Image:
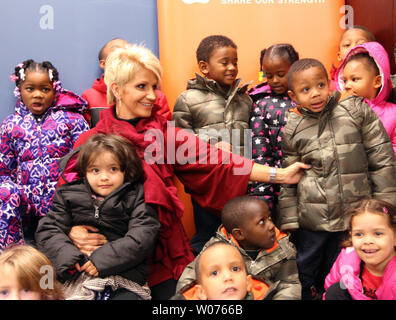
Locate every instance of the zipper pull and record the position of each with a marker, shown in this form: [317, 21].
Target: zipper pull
[97, 212]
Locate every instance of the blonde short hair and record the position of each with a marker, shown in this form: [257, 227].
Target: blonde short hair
[27, 262]
[123, 63]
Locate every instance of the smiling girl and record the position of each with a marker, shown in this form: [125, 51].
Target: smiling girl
[366, 268]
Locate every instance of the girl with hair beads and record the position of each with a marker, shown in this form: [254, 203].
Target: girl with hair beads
[366, 267]
[46, 123]
[27, 274]
[110, 198]
[268, 117]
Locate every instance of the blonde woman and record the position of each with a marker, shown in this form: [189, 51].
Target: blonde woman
[133, 73]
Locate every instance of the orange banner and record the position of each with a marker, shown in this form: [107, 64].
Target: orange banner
[313, 27]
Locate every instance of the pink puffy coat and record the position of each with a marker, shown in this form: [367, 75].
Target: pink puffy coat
[385, 110]
[346, 269]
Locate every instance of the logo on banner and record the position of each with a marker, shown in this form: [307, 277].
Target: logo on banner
[195, 1]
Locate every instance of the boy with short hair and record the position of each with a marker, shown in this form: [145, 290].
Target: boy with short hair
[97, 95]
[267, 252]
[211, 103]
[351, 157]
[222, 275]
[351, 37]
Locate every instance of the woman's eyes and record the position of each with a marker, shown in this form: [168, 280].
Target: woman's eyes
[143, 86]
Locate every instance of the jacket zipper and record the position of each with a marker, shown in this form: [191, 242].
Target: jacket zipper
[97, 212]
[102, 204]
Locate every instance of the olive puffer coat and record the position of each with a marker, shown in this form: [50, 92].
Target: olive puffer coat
[351, 157]
[205, 106]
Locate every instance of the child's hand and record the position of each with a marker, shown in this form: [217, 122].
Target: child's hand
[224, 146]
[89, 268]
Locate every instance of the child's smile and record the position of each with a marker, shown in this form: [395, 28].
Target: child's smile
[222, 66]
[373, 240]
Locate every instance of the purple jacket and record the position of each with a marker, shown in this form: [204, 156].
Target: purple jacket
[347, 269]
[30, 147]
[386, 111]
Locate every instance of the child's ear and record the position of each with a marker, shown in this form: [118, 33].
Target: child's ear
[378, 82]
[201, 293]
[238, 234]
[291, 95]
[339, 56]
[203, 67]
[249, 283]
[102, 64]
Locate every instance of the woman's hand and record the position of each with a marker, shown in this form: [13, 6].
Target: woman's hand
[290, 175]
[86, 238]
[224, 146]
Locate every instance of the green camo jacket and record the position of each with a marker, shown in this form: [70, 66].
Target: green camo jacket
[205, 106]
[351, 157]
[278, 265]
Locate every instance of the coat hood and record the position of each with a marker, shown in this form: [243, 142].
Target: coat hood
[381, 58]
[100, 85]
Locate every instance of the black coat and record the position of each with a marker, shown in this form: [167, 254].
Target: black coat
[128, 223]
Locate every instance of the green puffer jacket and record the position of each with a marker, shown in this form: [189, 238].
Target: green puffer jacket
[278, 265]
[205, 105]
[351, 157]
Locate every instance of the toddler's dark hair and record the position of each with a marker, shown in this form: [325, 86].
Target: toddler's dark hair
[366, 30]
[210, 43]
[234, 211]
[100, 54]
[130, 163]
[285, 50]
[301, 65]
[32, 65]
[367, 59]
[372, 206]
